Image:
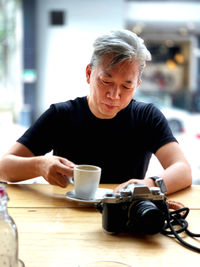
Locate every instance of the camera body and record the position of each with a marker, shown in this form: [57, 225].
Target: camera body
[136, 208]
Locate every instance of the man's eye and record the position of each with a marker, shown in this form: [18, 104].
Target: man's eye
[106, 82]
[125, 87]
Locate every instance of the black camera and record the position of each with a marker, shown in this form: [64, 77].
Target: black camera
[136, 208]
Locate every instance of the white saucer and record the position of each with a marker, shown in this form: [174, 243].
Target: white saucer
[98, 196]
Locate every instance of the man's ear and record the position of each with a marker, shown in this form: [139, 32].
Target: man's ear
[139, 82]
[88, 73]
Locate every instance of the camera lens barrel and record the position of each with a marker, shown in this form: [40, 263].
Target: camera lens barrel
[145, 217]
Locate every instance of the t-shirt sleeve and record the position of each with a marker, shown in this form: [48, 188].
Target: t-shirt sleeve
[41, 136]
[159, 132]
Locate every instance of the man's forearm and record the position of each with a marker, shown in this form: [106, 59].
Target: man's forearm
[178, 176]
[14, 168]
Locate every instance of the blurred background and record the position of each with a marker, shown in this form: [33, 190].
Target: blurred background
[45, 46]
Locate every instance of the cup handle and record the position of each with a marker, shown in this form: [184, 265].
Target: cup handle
[71, 180]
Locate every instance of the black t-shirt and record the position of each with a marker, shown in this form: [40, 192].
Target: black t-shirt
[121, 146]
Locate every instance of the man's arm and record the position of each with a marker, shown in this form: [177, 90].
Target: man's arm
[176, 174]
[19, 164]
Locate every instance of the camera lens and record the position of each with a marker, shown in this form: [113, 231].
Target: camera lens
[145, 217]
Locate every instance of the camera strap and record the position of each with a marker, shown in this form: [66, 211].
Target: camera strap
[177, 224]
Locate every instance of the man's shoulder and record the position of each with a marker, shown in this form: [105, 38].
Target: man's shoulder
[141, 107]
[139, 104]
[145, 112]
[69, 105]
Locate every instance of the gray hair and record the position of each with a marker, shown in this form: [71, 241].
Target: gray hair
[123, 45]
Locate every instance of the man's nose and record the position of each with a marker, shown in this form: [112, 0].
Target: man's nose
[114, 92]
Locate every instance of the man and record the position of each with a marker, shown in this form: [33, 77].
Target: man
[107, 128]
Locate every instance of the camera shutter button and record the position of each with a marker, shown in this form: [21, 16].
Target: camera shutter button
[155, 190]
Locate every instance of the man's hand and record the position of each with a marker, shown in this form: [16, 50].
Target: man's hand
[148, 182]
[56, 170]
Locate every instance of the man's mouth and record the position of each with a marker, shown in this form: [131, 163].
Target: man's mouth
[110, 106]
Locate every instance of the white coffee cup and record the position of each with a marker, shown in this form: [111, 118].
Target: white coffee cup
[86, 181]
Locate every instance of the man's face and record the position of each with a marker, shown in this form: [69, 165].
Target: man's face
[111, 89]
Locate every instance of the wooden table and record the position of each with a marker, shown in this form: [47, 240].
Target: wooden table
[56, 232]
